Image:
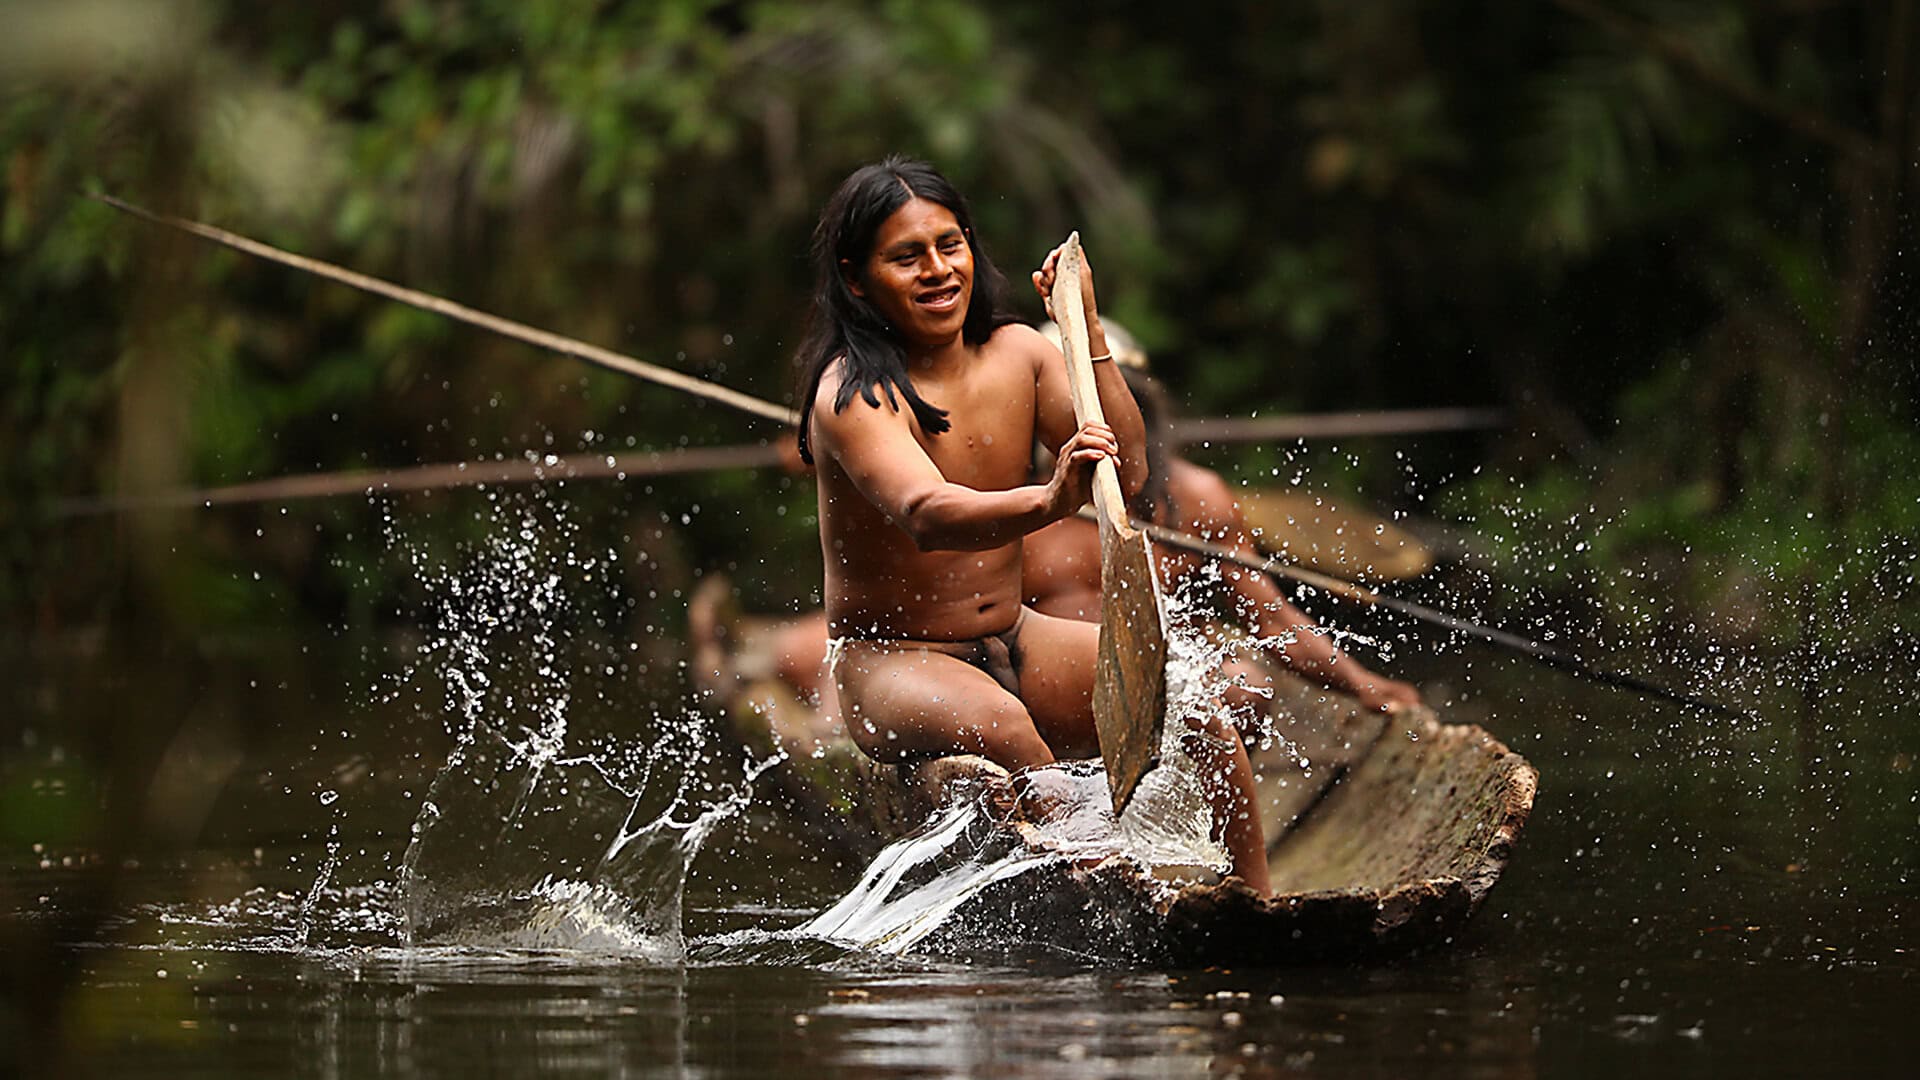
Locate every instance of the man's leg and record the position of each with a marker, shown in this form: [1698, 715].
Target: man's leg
[800, 660]
[1249, 696]
[1227, 777]
[902, 702]
[1079, 604]
[800, 654]
[1057, 661]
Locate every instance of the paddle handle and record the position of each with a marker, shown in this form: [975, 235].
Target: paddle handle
[1070, 315]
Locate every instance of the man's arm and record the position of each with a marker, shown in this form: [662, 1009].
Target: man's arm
[875, 447]
[1207, 508]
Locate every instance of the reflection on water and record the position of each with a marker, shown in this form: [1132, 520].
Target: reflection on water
[1660, 915]
[1672, 908]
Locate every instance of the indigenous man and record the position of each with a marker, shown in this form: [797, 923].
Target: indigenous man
[1061, 572]
[923, 399]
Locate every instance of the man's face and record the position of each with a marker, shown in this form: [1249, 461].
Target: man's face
[920, 275]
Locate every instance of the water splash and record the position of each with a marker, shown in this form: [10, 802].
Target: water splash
[532, 836]
[628, 901]
[1060, 816]
[303, 927]
[1170, 819]
[914, 886]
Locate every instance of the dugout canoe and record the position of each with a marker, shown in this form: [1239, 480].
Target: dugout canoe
[1385, 834]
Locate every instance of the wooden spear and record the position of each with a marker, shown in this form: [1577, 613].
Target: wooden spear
[639, 463]
[545, 339]
[1236, 429]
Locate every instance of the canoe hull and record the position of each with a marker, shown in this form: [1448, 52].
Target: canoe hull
[1416, 877]
[1385, 835]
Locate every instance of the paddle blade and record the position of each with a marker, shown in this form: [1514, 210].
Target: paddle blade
[1130, 679]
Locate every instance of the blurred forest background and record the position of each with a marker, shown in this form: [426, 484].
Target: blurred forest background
[1674, 239]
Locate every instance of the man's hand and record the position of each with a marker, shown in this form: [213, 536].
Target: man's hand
[1057, 417]
[1380, 694]
[1043, 279]
[1072, 483]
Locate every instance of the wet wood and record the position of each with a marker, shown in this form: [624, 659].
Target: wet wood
[1130, 682]
[544, 468]
[1394, 853]
[1323, 736]
[1262, 429]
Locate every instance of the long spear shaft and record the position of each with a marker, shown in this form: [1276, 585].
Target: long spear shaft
[633, 464]
[1239, 429]
[545, 339]
[1513, 642]
[1192, 430]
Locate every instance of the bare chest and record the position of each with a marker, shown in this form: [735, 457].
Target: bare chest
[991, 410]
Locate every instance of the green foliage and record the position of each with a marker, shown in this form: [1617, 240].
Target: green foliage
[1587, 169]
[46, 807]
[1659, 533]
[1318, 206]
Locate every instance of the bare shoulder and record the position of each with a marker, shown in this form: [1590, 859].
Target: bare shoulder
[865, 408]
[1204, 496]
[828, 387]
[1023, 341]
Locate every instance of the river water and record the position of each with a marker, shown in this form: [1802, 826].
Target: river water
[1691, 895]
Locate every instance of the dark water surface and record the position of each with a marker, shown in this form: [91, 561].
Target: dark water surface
[1691, 897]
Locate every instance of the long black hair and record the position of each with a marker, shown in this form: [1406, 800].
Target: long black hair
[841, 324]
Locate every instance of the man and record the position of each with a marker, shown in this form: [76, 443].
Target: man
[922, 401]
[1062, 564]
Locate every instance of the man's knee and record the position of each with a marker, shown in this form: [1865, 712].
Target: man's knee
[1249, 693]
[1211, 739]
[879, 743]
[1008, 736]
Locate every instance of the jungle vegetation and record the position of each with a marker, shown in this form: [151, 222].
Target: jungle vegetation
[1675, 239]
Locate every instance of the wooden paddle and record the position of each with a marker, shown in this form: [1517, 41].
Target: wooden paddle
[1130, 682]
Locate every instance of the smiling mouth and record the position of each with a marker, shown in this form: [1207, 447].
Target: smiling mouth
[941, 299]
